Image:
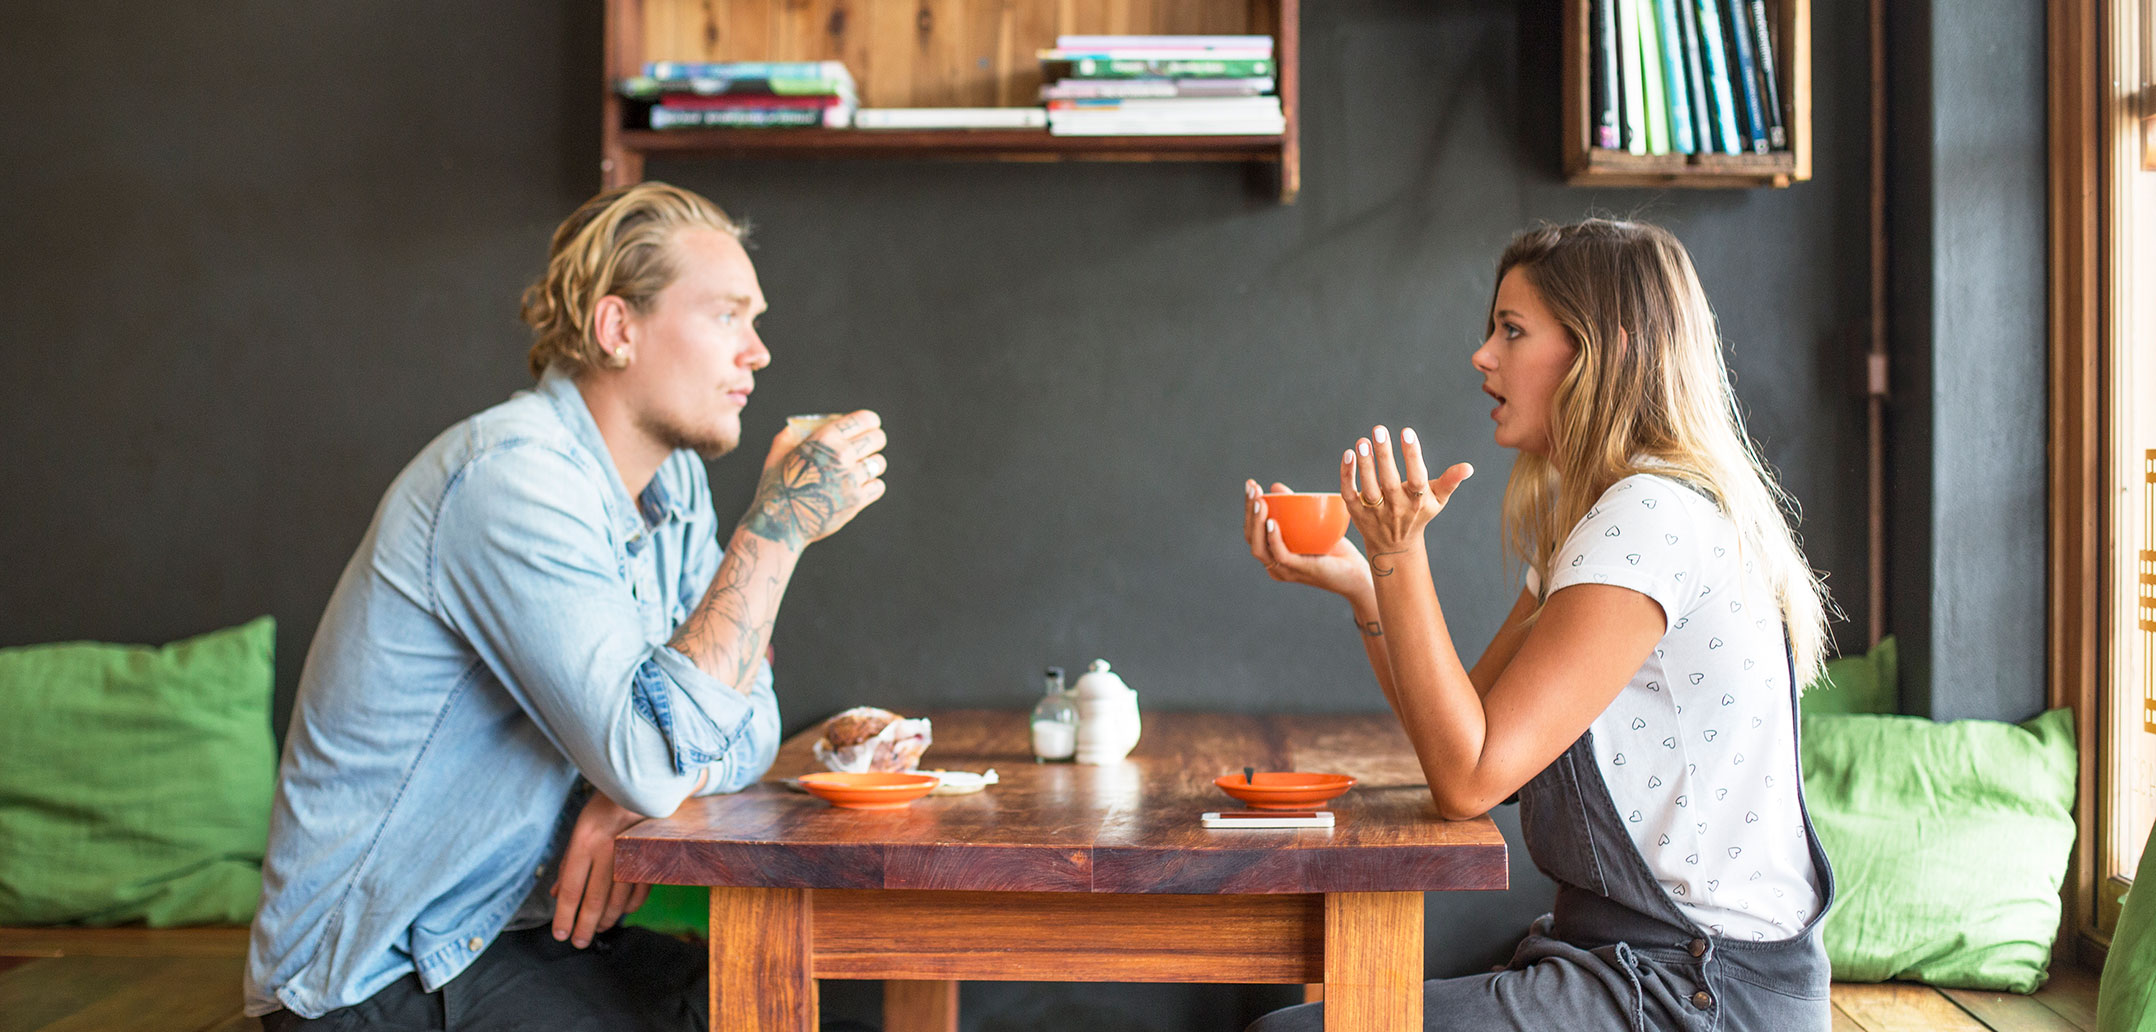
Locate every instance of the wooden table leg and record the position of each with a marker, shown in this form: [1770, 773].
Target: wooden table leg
[920, 1006]
[762, 978]
[1373, 961]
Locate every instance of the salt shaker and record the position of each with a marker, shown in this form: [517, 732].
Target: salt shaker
[1108, 724]
[1055, 721]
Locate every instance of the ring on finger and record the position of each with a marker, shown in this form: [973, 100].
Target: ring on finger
[1367, 503]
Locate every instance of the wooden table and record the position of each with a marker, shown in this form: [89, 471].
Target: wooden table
[1074, 873]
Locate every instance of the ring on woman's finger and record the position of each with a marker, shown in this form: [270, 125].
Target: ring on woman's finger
[1367, 503]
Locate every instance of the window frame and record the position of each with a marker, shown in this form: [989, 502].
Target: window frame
[2091, 45]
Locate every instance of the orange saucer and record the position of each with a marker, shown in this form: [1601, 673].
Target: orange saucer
[1284, 790]
[878, 791]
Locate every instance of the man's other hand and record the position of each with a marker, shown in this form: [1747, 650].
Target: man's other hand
[811, 487]
[587, 899]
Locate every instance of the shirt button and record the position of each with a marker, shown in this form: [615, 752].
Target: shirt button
[1702, 999]
[540, 872]
[1698, 947]
[475, 942]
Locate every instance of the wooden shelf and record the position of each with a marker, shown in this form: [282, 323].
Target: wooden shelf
[1587, 165]
[959, 144]
[916, 53]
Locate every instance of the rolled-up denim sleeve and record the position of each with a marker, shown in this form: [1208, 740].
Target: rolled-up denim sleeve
[522, 567]
[708, 724]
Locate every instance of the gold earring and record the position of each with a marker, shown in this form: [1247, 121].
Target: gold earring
[619, 359]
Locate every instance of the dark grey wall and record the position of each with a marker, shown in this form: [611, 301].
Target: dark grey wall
[259, 254]
[1968, 409]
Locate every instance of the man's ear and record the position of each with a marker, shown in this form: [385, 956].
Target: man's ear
[613, 330]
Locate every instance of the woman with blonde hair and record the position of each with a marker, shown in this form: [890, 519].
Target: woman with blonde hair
[1640, 698]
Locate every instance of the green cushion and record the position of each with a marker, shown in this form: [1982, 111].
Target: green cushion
[1858, 684]
[675, 910]
[1949, 842]
[2126, 998]
[137, 780]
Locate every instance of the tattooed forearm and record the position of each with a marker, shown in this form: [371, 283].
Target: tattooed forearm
[1370, 628]
[799, 497]
[1388, 569]
[726, 634]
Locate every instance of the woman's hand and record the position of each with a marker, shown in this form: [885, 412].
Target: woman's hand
[1391, 510]
[587, 899]
[1340, 571]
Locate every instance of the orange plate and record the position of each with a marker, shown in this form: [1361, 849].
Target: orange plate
[877, 791]
[1285, 790]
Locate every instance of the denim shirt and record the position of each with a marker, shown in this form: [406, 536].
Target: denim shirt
[501, 630]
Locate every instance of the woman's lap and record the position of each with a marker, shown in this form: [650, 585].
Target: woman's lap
[1548, 985]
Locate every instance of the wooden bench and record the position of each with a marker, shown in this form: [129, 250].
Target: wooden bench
[2067, 1003]
[188, 979]
[122, 980]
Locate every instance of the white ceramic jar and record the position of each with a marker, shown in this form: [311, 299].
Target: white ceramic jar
[1108, 723]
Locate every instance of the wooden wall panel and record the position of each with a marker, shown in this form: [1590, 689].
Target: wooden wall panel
[924, 53]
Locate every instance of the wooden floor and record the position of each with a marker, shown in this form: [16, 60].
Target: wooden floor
[2067, 1003]
[132, 993]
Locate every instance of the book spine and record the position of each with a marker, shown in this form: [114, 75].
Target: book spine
[950, 118]
[1679, 95]
[1695, 78]
[682, 118]
[1073, 89]
[1092, 68]
[724, 101]
[1059, 54]
[747, 70]
[1725, 110]
[1763, 39]
[645, 88]
[1650, 61]
[1755, 129]
[1171, 105]
[1609, 134]
[1635, 88]
[1164, 43]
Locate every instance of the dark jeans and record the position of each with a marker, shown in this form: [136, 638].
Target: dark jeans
[628, 980]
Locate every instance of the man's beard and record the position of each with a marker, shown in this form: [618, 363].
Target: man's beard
[710, 446]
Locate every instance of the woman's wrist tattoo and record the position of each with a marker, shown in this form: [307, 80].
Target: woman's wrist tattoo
[1388, 569]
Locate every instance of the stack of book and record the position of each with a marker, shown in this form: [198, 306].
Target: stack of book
[1685, 77]
[743, 94]
[1161, 86]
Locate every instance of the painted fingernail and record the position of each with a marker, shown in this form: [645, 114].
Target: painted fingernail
[1363, 446]
[1380, 433]
[1407, 435]
[1257, 507]
[1271, 526]
[1347, 458]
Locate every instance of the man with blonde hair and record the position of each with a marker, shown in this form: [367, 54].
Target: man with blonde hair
[539, 641]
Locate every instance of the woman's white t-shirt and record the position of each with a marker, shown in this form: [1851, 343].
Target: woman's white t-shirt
[1699, 750]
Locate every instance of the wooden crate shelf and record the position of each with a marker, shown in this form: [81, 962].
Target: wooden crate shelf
[1588, 165]
[928, 53]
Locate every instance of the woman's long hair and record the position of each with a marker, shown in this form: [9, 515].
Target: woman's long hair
[1647, 393]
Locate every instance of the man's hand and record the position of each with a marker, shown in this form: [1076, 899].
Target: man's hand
[812, 487]
[587, 899]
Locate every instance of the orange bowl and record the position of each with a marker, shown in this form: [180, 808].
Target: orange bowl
[873, 791]
[1284, 790]
[1310, 523]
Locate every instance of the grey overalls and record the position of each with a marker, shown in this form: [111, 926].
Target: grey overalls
[1616, 953]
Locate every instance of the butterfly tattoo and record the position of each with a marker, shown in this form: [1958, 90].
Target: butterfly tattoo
[800, 497]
